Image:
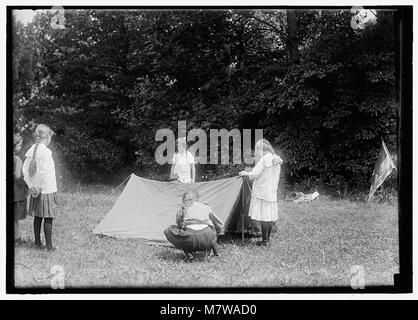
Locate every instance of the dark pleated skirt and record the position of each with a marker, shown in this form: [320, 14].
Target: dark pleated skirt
[44, 205]
[20, 209]
[191, 240]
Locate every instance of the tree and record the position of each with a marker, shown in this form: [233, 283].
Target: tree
[110, 79]
[292, 34]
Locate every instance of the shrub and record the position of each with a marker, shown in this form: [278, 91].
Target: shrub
[88, 158]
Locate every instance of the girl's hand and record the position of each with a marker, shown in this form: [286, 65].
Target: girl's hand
[34, 192]
[277, 161]
[243, 173]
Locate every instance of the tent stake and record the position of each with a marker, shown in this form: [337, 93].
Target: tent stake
[242, 209]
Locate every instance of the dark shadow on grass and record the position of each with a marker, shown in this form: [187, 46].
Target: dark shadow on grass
[28, 244]
[235, 239]
[176, 255]
[171, 254]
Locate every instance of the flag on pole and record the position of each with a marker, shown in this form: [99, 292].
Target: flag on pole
[382, 169]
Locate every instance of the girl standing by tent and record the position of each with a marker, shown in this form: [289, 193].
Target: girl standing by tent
[20, 188]
[183, 168]
[266, 175]
[39, 174]
[196, 227]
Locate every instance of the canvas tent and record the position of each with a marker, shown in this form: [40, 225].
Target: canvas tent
[146, 207]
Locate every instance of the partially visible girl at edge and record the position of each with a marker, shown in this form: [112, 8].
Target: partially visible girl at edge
[39, 174]
[20, 189]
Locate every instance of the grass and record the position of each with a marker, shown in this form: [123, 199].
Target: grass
[351, 233]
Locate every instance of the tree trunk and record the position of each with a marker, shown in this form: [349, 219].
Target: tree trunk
[292, 42]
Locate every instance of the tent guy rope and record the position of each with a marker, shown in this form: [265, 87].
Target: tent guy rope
[322, 251]
[110, 194]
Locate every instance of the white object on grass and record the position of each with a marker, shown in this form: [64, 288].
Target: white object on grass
[301, 197]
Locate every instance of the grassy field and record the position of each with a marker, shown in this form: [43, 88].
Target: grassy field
[351, 233]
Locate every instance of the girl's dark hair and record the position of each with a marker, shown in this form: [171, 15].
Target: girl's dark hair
[41, 132]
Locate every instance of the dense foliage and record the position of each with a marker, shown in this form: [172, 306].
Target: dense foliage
[110, 79]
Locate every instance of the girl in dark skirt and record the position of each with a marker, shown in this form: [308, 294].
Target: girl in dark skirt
[197, 227]
[20, 188]
[39, 174]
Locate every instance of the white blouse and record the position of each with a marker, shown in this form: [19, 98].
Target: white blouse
[266, 177]
[201, 212]
[181, 163]
[44, 177]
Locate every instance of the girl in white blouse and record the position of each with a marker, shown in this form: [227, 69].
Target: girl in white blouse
[183, 169]
[39, 174]
[266, 175]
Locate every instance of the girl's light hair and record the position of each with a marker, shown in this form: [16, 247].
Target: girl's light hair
[189, 197]
[182, 142]
[264, 145]
[41, 132]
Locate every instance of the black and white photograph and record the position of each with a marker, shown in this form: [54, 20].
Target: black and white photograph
[226, 149]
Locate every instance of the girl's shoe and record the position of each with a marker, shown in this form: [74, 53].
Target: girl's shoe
[51, 248]
[263, 243]
[210, 256]
[215, 250]
[189, 257]
[266, 244]
[39, 246]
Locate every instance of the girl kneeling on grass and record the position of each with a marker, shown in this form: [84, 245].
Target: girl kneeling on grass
[39, 174]
[197, 227]
[266, 175]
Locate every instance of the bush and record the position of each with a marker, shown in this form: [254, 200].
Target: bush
[87, 158]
